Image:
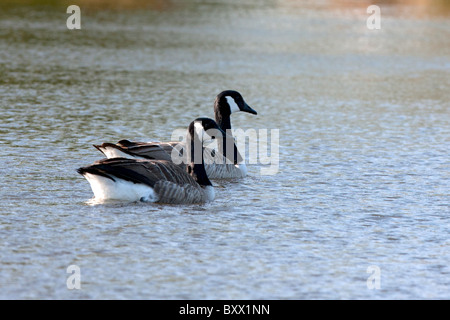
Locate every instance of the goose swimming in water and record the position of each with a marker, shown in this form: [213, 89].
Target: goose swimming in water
[216, 165]
[159, 181]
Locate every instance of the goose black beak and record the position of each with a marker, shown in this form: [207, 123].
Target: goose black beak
[248, 109]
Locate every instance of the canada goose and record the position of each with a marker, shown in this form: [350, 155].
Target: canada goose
[216, 165]
[156, 180]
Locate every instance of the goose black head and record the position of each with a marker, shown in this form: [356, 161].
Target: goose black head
[205, 129]
[199, 130]
[230, 101]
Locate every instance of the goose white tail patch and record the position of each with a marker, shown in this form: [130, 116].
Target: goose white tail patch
[107, 189]
[243, 168]
[233, 105]
[210, 194]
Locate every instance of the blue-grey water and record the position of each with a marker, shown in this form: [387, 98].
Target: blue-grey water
[364, 170]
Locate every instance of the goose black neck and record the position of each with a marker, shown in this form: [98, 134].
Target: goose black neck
[222, 116]
[196, 164]
[226, 144]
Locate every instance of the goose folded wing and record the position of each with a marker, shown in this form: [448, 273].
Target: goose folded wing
[139, 171]
[152, 151]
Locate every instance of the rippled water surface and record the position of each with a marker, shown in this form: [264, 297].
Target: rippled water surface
[364, 124]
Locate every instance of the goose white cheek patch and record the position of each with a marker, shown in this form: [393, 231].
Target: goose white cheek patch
[199, 130]
[233, 105]
[205, 135]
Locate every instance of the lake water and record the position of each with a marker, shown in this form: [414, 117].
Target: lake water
[359, 207]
